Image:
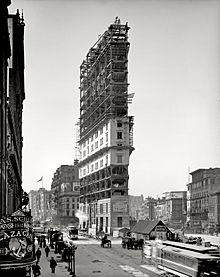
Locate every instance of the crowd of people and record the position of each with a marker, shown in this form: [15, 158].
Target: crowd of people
[36, 269]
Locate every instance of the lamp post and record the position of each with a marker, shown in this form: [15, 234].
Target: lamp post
[73, 250]
[69, 254]
[71, 260]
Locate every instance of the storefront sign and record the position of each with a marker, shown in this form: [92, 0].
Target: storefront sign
[16, 239]
[160, 228]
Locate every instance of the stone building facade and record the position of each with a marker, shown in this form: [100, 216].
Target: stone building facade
[12, 95]
[204, 201]
[65, 195]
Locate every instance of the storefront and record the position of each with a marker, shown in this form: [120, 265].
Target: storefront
[17, 253]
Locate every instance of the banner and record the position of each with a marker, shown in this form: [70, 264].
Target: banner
[16, 239]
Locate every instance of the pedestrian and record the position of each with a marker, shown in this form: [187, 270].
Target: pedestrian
[47, 250]
[44, 242]
[53, 264]
[36, 269]
[38, 254]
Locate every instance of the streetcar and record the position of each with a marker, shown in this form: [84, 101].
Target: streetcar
[72, 232]
[181, 260]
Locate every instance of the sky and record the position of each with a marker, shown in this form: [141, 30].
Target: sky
[174, 71]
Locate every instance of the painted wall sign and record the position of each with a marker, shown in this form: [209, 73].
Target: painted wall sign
[16, 239]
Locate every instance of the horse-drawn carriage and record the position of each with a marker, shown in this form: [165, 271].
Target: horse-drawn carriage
[132, 243]
[106, 241]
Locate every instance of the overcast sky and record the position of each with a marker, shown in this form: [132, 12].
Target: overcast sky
[174, 71]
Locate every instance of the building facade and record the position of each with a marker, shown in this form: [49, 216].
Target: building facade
[204, 198]
[15, 220]
[65, 195]
[135, 203]
[175, 208]
[148, 211]
[12, 96]
[40, 205]
[106, 132]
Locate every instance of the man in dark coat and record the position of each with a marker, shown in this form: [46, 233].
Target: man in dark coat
[47, 250]
[53, 264]
[38, 254]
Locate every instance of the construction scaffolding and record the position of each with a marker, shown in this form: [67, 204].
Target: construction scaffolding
[103, 78]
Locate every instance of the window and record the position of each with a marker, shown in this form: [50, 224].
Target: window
[67, 213]
[106, 159]
[101, 208]
[119, 221]
[101, 131]
[101, 141]
[92, 167]
[73, 206]
[119, 124]
[119, 135]
[119, 159]
[67, 200]
[84, 144]
[101, 163]
[84, 153]
[92, 147]
[96, 134]
[91, 138]
[88, 150]
[106, 207]
[106, 222]
[73, 213]
[106, 126]
[96, 144]
[96, 165]
[106, 136]
[67, 206]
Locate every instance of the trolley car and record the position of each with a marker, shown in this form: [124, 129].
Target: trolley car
[192, 262]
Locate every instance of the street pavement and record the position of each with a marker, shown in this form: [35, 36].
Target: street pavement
[92, 266]
[61, 269]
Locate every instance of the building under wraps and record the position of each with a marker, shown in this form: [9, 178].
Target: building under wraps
[106, 132]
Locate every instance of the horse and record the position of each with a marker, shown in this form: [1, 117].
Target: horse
[106, 241]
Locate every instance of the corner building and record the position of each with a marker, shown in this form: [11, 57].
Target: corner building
[106, 132]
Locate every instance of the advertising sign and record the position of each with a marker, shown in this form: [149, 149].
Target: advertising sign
[120, 204]
[16, 239]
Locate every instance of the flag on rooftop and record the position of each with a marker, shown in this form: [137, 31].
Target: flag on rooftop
[40, 179]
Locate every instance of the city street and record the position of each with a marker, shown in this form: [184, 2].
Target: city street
[93, 260]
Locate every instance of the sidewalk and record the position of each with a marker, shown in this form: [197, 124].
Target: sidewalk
[45, 265]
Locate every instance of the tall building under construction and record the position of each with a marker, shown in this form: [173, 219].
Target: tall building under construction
[105, 132]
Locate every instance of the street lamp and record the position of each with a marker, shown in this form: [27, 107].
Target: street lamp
[71, 260]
